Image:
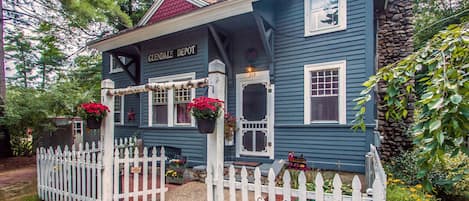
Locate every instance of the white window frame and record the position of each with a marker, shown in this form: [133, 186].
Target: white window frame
[111, 64]
[121, 111]
[76, 128]
[171, 107]
[339, 27]
[342, 107]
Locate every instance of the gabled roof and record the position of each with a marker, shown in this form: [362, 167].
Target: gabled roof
[164, 9]
[171, 23]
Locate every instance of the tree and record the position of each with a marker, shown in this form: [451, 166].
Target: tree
[438, 75]
[51, 57]
[18, 49]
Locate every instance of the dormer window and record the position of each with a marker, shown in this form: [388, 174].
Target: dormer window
[324, 16]
[114, 65]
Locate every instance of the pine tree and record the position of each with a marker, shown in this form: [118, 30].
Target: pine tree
[51, 57]
[18, 49]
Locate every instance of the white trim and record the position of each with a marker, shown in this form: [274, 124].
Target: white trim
[111, 65]
[341, 66]
[152, 10]
[340, 27]
[196, 18]
[252, 78]
[170, 96]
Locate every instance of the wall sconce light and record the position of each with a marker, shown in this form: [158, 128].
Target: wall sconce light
[251, 70]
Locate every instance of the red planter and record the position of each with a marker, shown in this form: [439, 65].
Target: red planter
[93, 123]
[206, 126]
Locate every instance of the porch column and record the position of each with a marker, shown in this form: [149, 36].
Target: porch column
[215, 141]
[107, 139]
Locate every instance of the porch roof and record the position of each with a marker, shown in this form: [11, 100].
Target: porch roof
[192, 19]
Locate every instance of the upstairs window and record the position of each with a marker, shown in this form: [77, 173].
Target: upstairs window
[324, 16]
[114, 65]
[325, 95]
[169, 107]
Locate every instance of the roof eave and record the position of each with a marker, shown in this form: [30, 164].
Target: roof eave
[199, 17]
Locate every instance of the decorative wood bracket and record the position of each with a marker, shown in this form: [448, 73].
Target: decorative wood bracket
[266, 34]
[222, 47]
[135, 76]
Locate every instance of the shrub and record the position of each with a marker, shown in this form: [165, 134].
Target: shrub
[398, 191]
[449, 179]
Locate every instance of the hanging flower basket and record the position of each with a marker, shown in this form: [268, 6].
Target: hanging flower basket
[205, 111]
[94, 113]
[92, 123]
[206, 125]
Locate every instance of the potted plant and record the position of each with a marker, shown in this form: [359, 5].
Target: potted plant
[205, 110]
[230, 129]
[175, 172]
[94, 113]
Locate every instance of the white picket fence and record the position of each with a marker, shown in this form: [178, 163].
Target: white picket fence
[378, 172]
[76, 174]
[270, 191]
[69, 174]
[134, 166]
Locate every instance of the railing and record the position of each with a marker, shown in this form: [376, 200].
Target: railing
[271, 191]
[69, 174]
[375, 172]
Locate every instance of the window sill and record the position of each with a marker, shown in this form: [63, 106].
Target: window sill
[321, 125]
[118, 70]
[324, 31]
[169, 128]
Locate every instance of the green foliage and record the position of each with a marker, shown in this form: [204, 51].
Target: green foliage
[19, 49]
[433, 16]
[397, 191]
[21, 146]
[448, 179]
[51, 57]
[438, 76]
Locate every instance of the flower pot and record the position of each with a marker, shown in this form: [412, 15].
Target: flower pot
[206, 125]
[175, 180]
[229, 142]
[92, 123]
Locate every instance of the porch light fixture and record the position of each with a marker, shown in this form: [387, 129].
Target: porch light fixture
[251, 70]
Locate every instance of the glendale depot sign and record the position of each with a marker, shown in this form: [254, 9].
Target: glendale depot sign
[171, 54]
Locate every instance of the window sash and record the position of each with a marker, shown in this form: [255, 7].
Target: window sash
[324, 17]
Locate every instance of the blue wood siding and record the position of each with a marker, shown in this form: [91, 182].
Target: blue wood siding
[324, 145]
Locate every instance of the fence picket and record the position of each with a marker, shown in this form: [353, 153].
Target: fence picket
[356, 189]
[56, 175]
[88, 175]
[244, 184]
[257, 184]
[83, 174]
[162, 173]
[319, 183]
[74, 172]
[153, 174]
[378, 191]
[93, 174]
[286, 186]
[271, 179]
[126, 174]
[135, 175]
[232, 183]
[337, 188]
[99, 164]
[302, 186]
[145, 174]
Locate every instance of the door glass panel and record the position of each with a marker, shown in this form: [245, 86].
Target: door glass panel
[254, 102]
[261, 141]
[247, 140]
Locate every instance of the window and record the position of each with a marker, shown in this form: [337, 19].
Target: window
[78, 128]
[114, 65]
[325, 95]
[324, 16]
[119, 110]
[169, 107]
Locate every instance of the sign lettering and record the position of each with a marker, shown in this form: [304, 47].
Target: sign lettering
[171, 54]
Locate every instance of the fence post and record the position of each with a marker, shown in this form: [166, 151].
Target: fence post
[107, 137]
[215, 146]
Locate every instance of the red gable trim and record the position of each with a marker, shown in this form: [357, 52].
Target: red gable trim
[171, 8]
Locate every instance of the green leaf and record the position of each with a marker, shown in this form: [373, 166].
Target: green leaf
[456, 98]
[440, 138]
[436, 103]
[435, 125]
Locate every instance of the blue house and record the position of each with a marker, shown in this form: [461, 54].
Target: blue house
[293, 68]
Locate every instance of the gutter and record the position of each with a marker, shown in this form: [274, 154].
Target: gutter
[196, 18]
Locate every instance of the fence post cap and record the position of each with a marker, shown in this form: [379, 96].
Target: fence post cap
[216, 66]
[107, 84]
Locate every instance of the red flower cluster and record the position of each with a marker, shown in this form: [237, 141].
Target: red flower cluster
[96, 110]
[205, 108]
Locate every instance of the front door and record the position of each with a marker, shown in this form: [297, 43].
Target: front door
[254, 109]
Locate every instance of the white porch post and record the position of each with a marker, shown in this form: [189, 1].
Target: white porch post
[215, 146]
[107, 138]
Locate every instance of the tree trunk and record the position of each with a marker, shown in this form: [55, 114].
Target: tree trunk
[5, 147]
